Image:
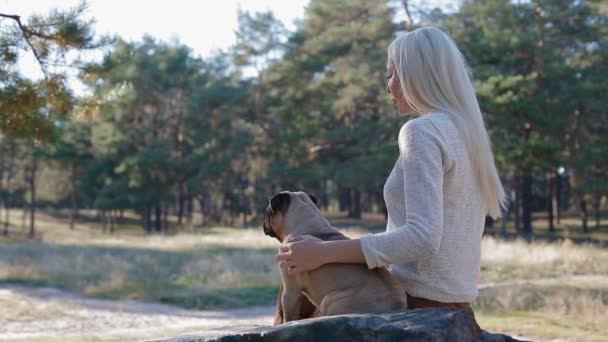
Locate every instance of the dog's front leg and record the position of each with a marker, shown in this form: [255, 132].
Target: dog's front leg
[290, 299]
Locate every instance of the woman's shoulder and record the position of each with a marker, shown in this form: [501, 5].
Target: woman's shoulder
[423, 125]
[424, 132]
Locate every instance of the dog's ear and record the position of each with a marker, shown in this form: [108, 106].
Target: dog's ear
[280, 202]
[314, 200]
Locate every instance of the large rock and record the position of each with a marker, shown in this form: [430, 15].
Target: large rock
[409, 325]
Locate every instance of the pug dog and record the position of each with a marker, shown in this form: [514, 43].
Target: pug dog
[335, 289]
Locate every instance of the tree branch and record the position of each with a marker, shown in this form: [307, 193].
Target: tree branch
[410, 22]
[26, 34]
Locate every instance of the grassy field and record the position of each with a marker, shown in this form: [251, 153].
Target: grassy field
[531, 287]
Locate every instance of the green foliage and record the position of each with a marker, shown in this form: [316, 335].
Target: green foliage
[258, 37]
[165, 127]
[32, 109]
[328, 103]
[532, 65]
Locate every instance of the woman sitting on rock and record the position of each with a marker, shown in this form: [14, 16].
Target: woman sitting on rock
[440, 190]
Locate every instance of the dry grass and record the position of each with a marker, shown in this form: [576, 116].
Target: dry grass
[512, 260]
[544, 290]
[541, 326]
[582, 302]
[11, 310]
[200, 274]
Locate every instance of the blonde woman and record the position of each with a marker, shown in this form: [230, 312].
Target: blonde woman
[440, 190]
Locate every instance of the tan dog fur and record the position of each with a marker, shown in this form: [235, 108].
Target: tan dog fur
[335, 289]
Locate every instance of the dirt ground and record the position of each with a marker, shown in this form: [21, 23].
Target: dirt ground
[47, 314]
[30, 313]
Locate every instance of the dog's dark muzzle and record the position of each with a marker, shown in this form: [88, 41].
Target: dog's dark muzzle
[267, 227]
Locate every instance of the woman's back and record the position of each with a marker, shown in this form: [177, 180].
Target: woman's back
[441, 209]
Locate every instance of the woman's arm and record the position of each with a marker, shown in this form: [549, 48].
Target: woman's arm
[421, 157]
[343, 251]
[305, 253]
[422, 165]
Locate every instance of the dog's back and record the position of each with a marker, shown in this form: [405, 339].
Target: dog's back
[354, 289]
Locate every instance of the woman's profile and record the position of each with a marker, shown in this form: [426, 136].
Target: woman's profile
[443, 184]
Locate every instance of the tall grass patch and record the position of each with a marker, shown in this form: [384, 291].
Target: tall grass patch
[136, 273]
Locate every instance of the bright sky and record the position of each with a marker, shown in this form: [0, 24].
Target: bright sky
[203, 25]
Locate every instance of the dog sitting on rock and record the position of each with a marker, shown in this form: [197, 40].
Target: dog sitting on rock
[335, 289]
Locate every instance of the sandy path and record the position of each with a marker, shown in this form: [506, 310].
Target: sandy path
[43, 313]
[31, 312]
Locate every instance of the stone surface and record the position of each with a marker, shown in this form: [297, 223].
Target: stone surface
[409, 325]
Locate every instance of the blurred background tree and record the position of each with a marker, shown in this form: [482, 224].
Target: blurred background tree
[167, 134]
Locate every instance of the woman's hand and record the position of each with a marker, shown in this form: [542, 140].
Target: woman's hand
[301, 254]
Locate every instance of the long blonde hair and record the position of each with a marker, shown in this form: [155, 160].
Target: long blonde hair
[434, 76]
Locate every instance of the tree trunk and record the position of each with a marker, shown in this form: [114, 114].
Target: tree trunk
[567, 193]
[550, 177]
[355, 208]
[26, 180]
[111, 218]
[244, 205]
[181, 201]
[217, 211]
[409, 23]
[165, 208]
[596, 208]
[323, 196]
[33, 197]
[147, 220]
[189, 210]
[517, 205]
[6, 217]
[344, 199]
[6, 206]
[104, 221]
[526, 202]
[341, 201]
[158, 218]
[583, 207]
[258, 98]
[201, 204]
[74, 213]
[24, 217]
[365, 203]
[558, 199]
[8, 192]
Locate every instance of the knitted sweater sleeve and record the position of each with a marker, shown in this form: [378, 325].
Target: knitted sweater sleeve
[420, 152]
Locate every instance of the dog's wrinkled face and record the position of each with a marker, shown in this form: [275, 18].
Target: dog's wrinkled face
[278, 205]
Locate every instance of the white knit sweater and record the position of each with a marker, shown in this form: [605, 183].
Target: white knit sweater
[435, 214]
